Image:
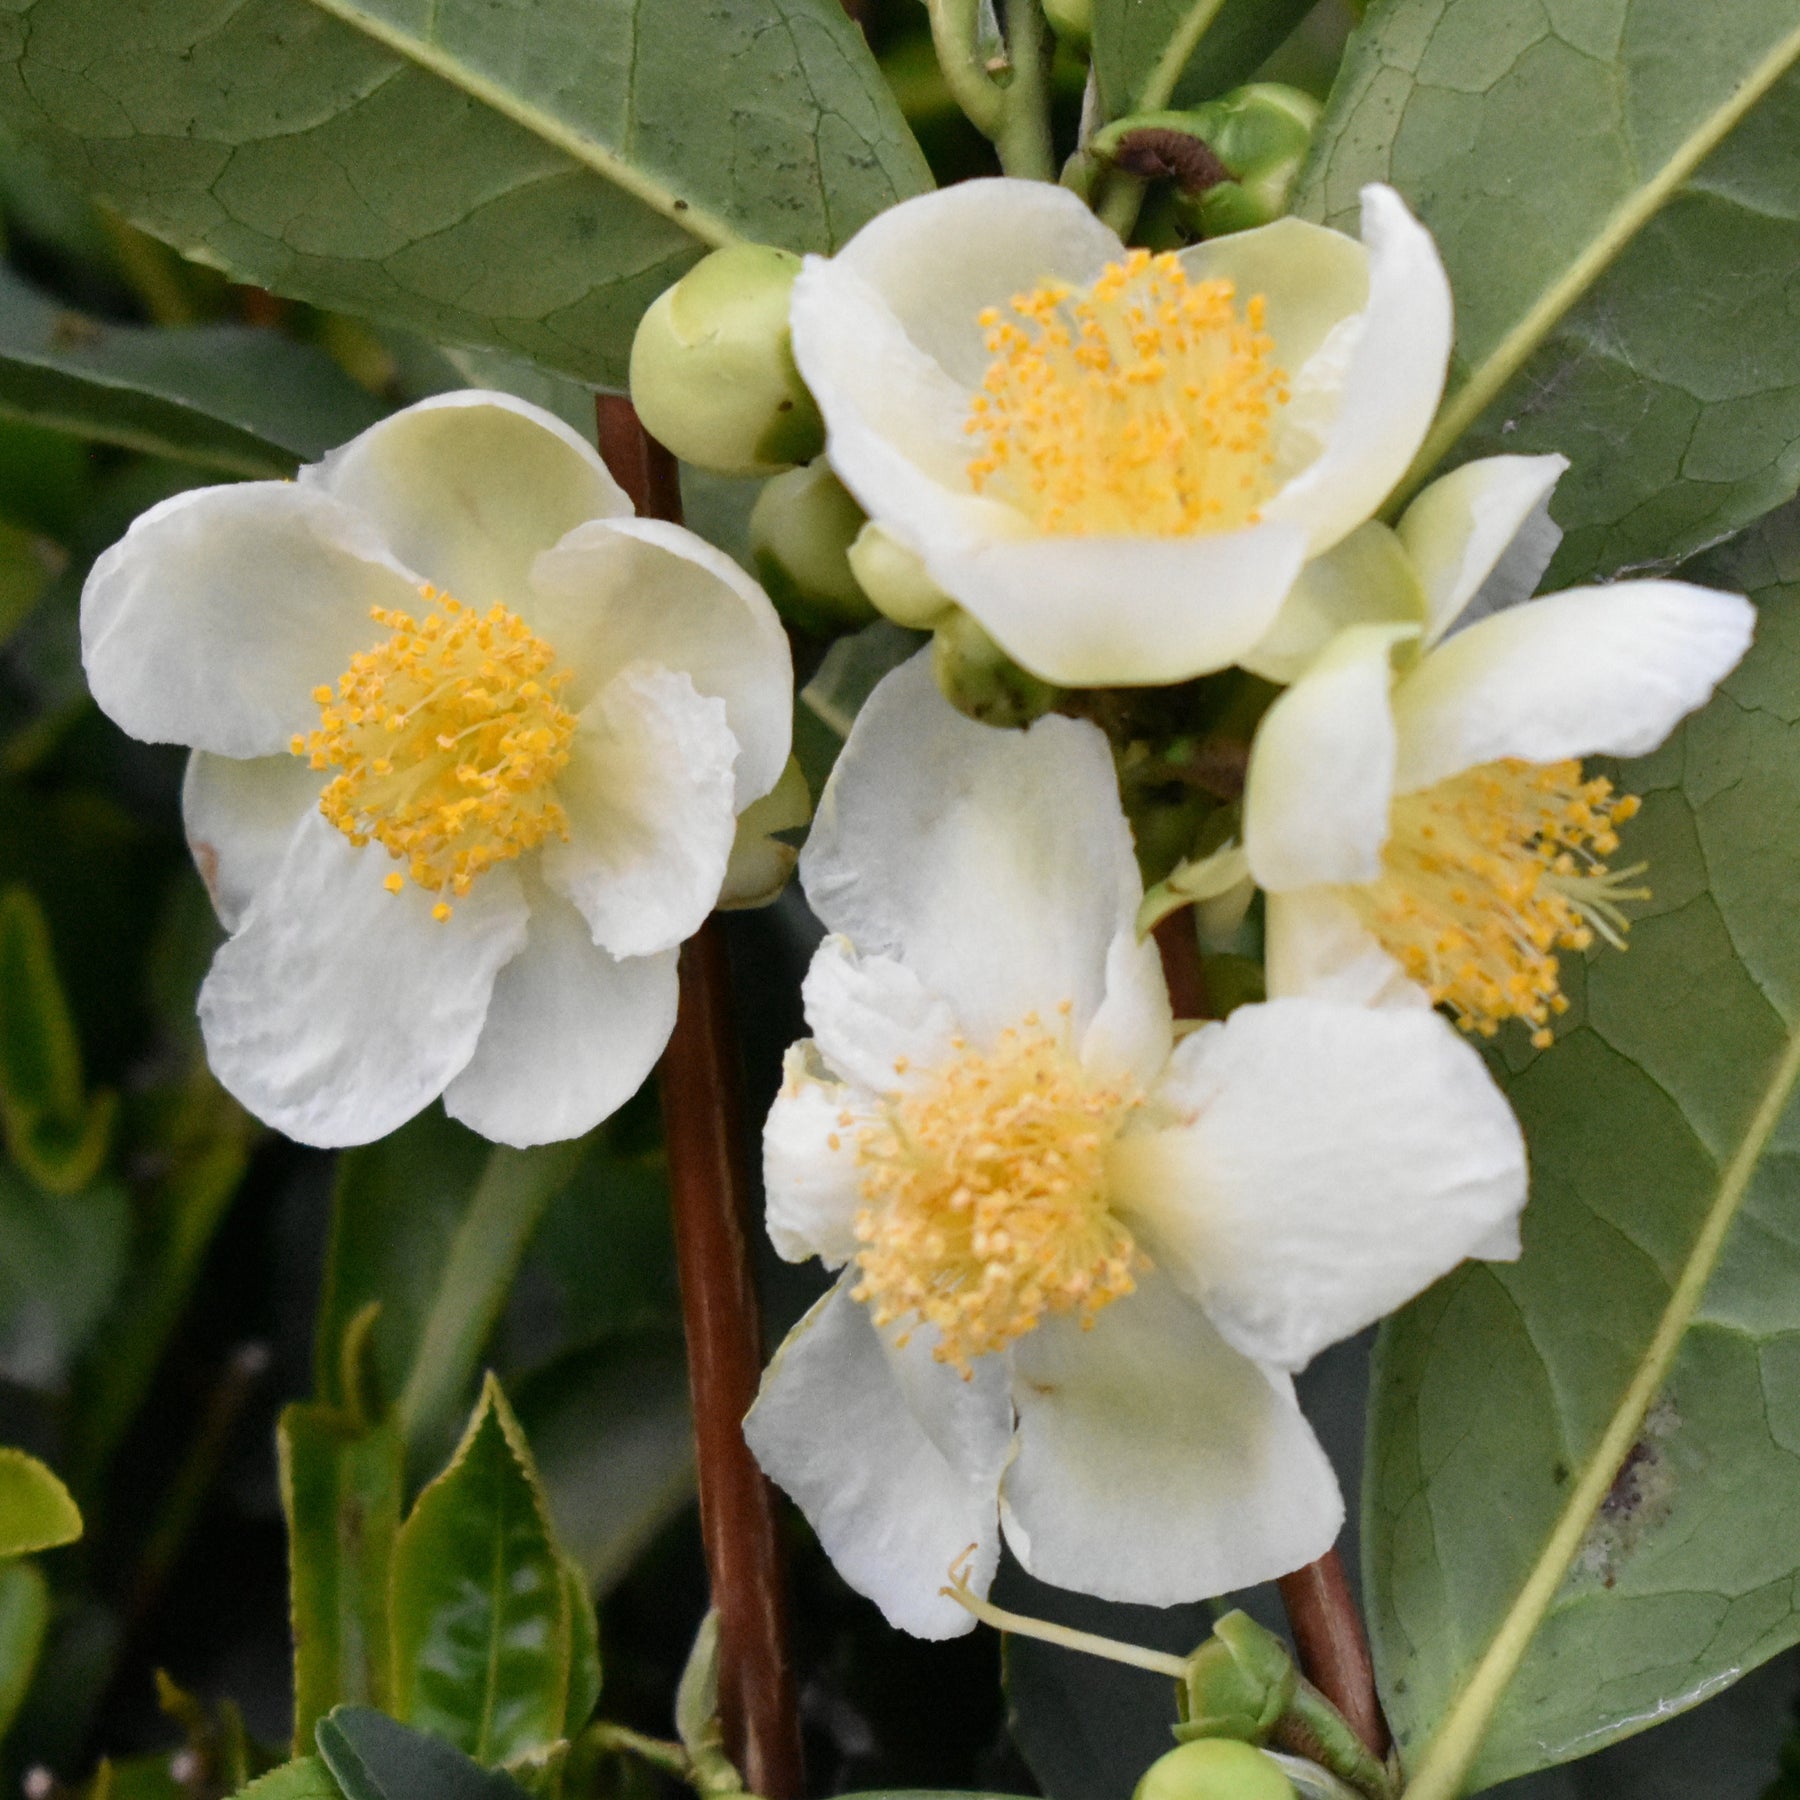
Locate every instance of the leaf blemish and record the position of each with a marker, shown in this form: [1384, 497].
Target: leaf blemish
[1638, 1501]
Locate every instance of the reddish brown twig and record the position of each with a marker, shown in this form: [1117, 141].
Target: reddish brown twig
[1328, 1632]
[709, 1194]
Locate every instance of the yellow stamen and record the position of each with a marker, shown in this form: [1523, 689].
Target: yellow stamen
[447, 737]
[985, 1201]
[1487, 875]
[1143, 406]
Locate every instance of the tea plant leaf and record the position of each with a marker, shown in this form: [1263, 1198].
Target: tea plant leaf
[36, 1512]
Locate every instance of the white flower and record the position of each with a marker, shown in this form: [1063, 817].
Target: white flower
[1079, 1257]
[1415, 804]
[470, 744]
[1119, 463]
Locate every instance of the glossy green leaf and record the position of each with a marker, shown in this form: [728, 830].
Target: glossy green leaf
[1615, 188]
[1585, 1467]
[340, 1493]
[584, 1648]
[523, 179]
[225, 397]
[24, 1618]
[375, 1758]
[305, 1778]
[62, 1260]
[1150, 54]
[483, 1640]
[36, 1512]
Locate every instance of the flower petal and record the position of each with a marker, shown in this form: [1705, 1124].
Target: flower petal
[1459, 528]
[239, 817]
[571, 1032]
[1314, 944]
[216, 615]
[873, 1020]
[1122, 611]
[996, 865]
[648, 793]
[339, 1010]
[1155, 1464]
[1393, 378]
[621, 591]
[811, 1178]
[468, 487]
[1331, 1162]
[1604, 671]
[835, 1426]
[1134, 1029]
[1320, 781]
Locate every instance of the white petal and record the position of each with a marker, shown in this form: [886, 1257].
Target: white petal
[571, 1032]
[1368, 579]
[835, 1427]
[1155, 1464]
[1460, 527]
[638, 590]
[648, 793]
[216, 615]
[1134, 1029]
[996, 865]
[339, 1010]
[1315, 944]
[1321, 775]
[938, 261]
[239, 817]
[1121, 611]
[1392, 381]
[811, 1178]
[468, 487]
[873, 1020]
[1593, 672]
[1331, 1162]
[1515, 577]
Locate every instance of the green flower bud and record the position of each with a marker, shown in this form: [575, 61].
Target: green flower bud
[801, 530]
[1239, 1683]
[1071, 20]
[712, 366]
[978, 678]
[895, 580]
[1214, 1769]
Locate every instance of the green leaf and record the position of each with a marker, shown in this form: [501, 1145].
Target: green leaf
[305, 1778]
[62, 1259]
[36, 1512]
[482, 1634]
[225, 397]
[24, 1618]
[340, 1493]
[27, 563]
[375, 1758]
[1615, 188]
[584, 1648]
[527, 179]
[1584, 1467]
[1149, 54]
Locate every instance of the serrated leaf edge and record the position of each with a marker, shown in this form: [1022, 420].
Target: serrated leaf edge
[1457, 1740]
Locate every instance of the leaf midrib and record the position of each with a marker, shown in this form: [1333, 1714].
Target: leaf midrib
[694, 219]
[1458, 1739]
[1504, 361]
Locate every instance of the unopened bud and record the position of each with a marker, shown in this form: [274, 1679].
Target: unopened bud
[801, 530]
[1214, 1769]
[712, 366]
[896, 581]
[1071, 20]
[980, 680]
[1239, 1683]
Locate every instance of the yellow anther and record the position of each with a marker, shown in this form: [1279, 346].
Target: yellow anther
[1487, 875]
[447, 738]
[985, 1198]
[1144, 406]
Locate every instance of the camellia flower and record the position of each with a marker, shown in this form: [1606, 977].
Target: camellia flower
[1119, 462]
[1079, 1257]
[470, 747]
[1415, 804]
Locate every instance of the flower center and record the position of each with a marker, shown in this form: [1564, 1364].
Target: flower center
[447, 737]
[985, 1202]
[1487, 875]
[1143, 406]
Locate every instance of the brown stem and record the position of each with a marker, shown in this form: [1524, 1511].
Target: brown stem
[1328, 1632]
[710, 1197]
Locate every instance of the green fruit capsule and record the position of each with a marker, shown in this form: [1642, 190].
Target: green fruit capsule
[1214, 1769]
[712, 366]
